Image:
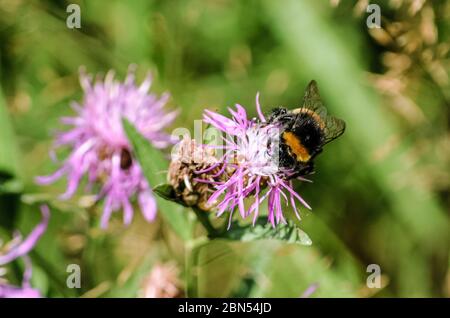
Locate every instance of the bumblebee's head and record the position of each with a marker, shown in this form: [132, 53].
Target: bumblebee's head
[276, 112]
[281, 116]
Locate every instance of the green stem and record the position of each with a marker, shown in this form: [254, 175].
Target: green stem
[202, 216]
[193, 247]
[191, 257]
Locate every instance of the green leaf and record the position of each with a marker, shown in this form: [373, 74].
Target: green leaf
[292, 269]
[153, 164]
[8, 155]
[167, 192]
[276, 269]
[215, 261]
[262, 230]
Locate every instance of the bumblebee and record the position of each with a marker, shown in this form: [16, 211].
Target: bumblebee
[304, 131]
[125, 159]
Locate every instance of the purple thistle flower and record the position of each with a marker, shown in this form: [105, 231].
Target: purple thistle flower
[20, 248]
[251, 150]
[99, 146]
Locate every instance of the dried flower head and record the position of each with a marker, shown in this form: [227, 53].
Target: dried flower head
[191, 166]
[20, 248]
[100, 149]
[251, 152]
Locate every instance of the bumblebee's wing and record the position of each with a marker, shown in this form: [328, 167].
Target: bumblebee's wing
[312, 100]
[333, 127]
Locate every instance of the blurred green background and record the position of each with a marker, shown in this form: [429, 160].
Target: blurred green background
[381, 193]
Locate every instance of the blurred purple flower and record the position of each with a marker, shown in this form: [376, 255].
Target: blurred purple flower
[162, 282]
[310, 290]
[251, 150]
[20, 248]
[99, 146]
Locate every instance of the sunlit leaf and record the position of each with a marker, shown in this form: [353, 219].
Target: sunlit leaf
[153, 165]
[263, 230]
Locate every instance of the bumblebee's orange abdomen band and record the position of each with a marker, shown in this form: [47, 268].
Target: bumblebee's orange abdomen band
[297, 148]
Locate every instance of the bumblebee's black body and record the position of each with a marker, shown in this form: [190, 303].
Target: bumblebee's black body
[307, 130]
[125, 159]
[304, 132]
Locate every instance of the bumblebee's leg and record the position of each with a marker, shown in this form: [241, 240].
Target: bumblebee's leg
[309, 168]
[304, 169]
